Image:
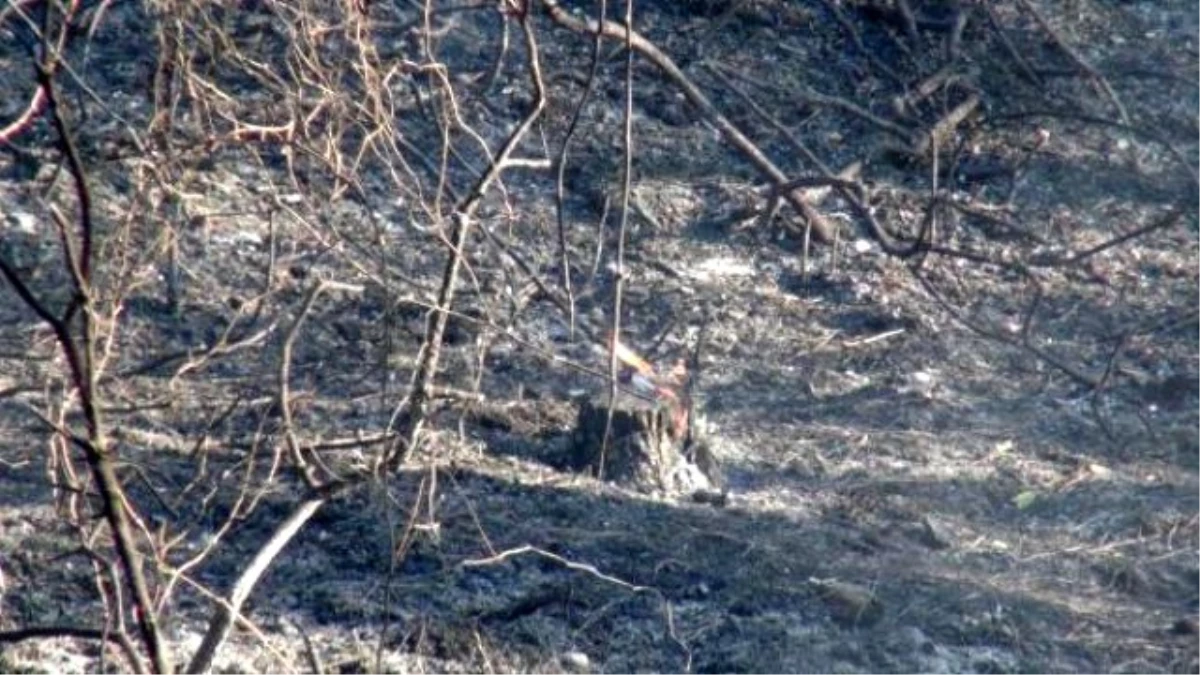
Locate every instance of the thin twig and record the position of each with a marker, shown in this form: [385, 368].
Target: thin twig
[1077, 59]
[560, 178]
[821, 227]
[464, 217]
[619, 275]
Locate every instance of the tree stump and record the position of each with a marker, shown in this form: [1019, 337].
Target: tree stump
[643, 451]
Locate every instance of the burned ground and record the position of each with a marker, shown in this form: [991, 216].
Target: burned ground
[934, 464]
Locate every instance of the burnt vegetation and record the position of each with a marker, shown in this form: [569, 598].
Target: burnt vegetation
[307, 319]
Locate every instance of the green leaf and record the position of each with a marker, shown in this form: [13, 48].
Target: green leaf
[1025, 499]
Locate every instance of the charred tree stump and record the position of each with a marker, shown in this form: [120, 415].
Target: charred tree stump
[643, 452]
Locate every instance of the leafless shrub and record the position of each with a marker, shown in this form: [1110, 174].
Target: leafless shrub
[303, 88]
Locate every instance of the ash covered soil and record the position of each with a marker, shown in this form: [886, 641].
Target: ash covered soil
[905, 493]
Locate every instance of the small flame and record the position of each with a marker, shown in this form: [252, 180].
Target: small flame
[630, 358]
[646, 379]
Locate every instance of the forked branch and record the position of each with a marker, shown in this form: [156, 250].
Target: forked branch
[75, 330]
[464, 218]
